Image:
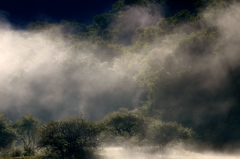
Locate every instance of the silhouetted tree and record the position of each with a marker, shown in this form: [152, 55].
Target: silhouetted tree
[125, 124]
[70, 138]
[26, 128]
[7, 134]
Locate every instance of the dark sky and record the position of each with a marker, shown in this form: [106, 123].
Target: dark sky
[21, 12]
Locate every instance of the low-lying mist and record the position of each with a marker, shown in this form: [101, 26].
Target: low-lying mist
[169, 153]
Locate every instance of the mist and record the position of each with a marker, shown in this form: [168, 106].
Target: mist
[189, 75]
[45, 74]
[192, 74]
[171, 153]
[133, 18]
[195, 76]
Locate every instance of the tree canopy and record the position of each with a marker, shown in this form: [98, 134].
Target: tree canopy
[7, 134]
[70, 138]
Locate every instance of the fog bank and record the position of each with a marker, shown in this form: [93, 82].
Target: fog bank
[51, 77]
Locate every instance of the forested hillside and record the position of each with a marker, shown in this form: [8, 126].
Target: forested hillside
[151, 72]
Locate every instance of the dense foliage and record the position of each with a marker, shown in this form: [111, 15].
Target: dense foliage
[75, 137]
[26, 128]
[122, 126]
[7, 135]
[71, 138]
[162, 134]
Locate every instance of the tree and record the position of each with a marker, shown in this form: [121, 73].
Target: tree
[102, 22]
[7, 135]
[70, 138]
[125, 124]
[161, 134]
[27, 127]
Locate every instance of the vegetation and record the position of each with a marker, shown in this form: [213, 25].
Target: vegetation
[7, 134]
[122, 126]
[180, 61]
[161, 134]
[76, 137]
[26, 128]
[70, 138]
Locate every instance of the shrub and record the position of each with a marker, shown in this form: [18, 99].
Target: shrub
[124, 125]
[7, 135]
[161, 134]
[70, 138]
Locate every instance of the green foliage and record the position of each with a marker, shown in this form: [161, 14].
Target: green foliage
[169, 60]
[171, 66]
[69, 138]
[132, 127]
[147, 35]
[103, 25]
[26, 128]
[125, 124]
[161, 134]
[40, 26]
[7, 134]
[200, 43]
[182, 16]
[117, 6]
[102, 21]
[159, 64]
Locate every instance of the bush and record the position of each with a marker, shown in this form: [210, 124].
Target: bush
[70, 138]
[124, 125]
[26, 128]
[7, 134]
[161, 134]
